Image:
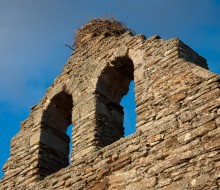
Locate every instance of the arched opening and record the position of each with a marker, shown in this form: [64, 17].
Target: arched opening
[54, 140]
[113, 85]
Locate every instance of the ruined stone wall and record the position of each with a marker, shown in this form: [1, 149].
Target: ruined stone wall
[177, 139]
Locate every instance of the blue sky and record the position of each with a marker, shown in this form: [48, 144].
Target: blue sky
[33, 34]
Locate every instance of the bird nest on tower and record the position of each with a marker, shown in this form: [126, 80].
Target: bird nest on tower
[100, 26]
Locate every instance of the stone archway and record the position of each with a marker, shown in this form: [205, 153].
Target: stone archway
[54, 142]
[112, 85]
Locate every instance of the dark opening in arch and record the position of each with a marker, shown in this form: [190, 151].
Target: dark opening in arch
[54, 141]
[113, 85]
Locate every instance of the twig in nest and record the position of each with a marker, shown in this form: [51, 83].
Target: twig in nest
[69, 46]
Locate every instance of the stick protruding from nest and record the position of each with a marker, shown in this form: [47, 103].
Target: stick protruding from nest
[99, 26]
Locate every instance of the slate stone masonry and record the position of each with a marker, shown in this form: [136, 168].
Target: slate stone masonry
[177, 139]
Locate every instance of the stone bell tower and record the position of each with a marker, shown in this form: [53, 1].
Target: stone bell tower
[177, 140]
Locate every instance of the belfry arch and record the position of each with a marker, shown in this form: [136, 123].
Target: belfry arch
[112, 85]
[54, 142]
